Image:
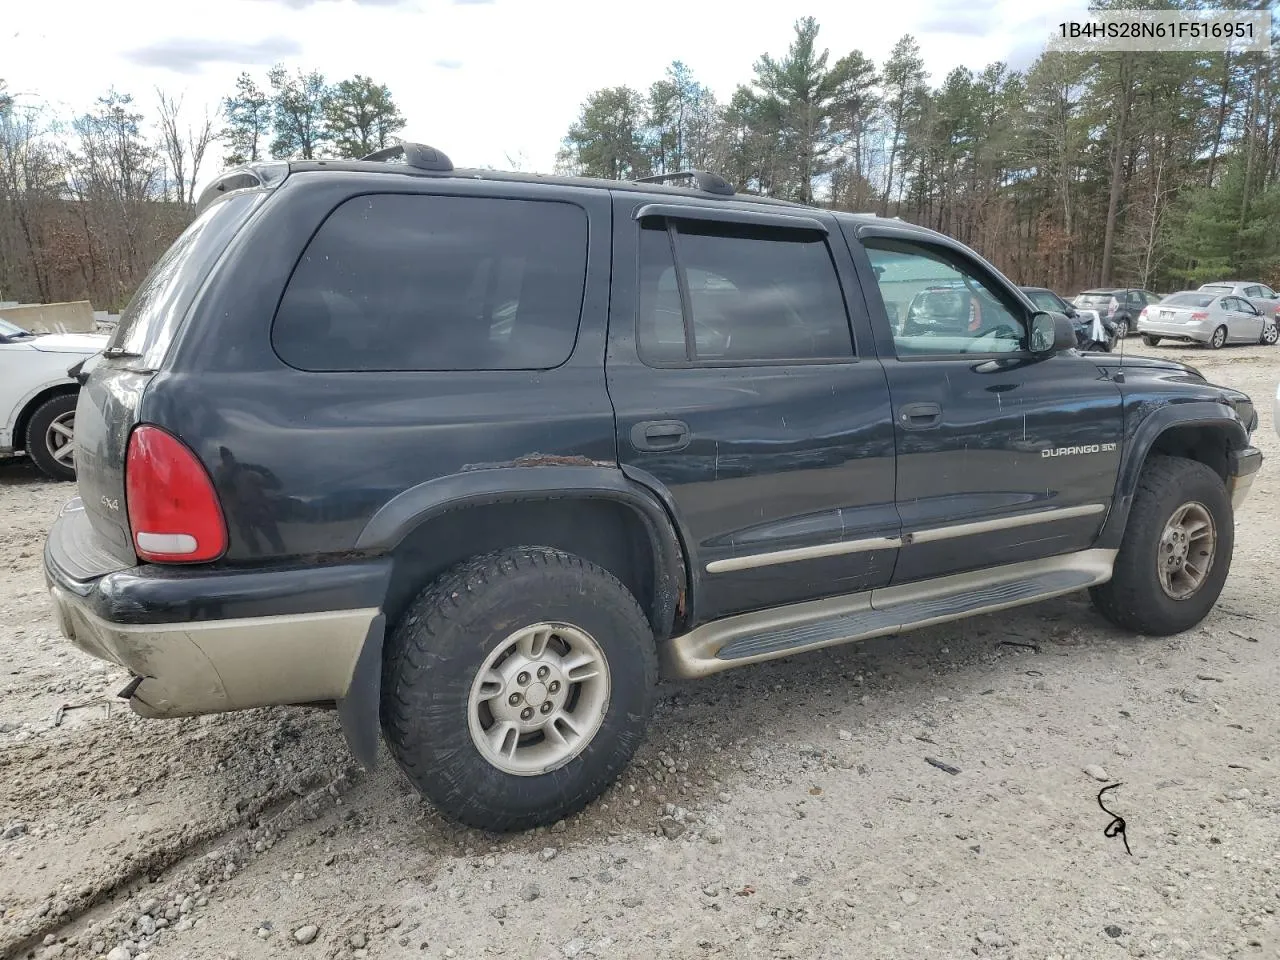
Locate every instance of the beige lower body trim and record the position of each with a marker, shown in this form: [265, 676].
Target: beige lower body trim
[217, 665]
[694, 654]
[1239, 488]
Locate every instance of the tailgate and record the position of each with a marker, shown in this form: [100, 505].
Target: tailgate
[105, 416]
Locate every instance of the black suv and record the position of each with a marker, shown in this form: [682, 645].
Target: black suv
[1117, 306]
[468, 454]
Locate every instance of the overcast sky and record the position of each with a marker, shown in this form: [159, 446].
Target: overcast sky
[483, 80]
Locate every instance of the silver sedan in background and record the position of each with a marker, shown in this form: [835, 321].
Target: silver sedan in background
[1195, 316]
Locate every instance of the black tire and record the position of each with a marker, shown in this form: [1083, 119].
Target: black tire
[39, 445]
[1219, 338]
[1270, 333]
[1150, 341]
[440, 644]
[1122, 328]
[1134, 598]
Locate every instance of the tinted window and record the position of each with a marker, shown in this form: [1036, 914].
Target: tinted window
[950, 306]
[753, 295]
[399, 282]
[1253, 291]
[147, 324]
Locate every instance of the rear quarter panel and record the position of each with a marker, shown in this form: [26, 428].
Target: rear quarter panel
[302, 460]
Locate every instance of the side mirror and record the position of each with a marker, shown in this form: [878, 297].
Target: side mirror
[1050, 333]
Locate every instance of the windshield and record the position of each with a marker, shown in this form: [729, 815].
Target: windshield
[8, 329]
[149, 321]
[1189, 300]
[1094, 298]
[1046, 300]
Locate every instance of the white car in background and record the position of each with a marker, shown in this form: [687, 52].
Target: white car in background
[38, 397]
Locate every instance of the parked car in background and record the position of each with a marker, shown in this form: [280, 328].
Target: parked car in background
[1119, 305]
[1082, 320]
[1259, 294]
[1198, 316]
[38, 397]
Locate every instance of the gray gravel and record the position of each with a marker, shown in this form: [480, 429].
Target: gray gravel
[786, 810]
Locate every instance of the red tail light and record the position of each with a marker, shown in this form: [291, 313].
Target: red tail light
[1200, 315]
[174, 513]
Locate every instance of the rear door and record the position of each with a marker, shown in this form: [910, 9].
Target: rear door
[744, 396]
[1002, 456]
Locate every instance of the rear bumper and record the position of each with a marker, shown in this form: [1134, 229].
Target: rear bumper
[1199, 332]
[207, 641]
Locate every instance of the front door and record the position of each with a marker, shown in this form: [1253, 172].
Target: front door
[739, 396]
[1002, 456]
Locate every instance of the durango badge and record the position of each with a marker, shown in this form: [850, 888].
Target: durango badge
[1071, 451]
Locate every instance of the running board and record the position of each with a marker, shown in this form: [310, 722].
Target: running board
[784, 631]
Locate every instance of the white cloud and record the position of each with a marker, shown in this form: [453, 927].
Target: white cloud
[480, 79]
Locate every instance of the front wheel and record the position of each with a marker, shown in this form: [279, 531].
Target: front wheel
[51, 434]
[1150, 341]
[1122, 329]
[1270, 333]
[517, 687]
[1176, 551]
[1219, 338]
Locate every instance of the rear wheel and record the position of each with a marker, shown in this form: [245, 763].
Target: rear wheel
[517, 687]
[51, 433]
[1176, 551]
[1150, 341]
[1218, 339]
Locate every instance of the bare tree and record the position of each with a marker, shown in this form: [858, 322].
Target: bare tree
[183, 145]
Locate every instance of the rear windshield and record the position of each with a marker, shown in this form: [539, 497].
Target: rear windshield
[1045, 300]
[1217, 288]
[1189, 300]
[148, 322]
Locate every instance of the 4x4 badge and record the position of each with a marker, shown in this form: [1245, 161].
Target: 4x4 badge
[111, 504]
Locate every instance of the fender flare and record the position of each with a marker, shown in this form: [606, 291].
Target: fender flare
[396, 519]
[512, 484]
[1199, 413]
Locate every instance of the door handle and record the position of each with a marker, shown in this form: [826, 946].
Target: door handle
[919, 416]
[660, 435]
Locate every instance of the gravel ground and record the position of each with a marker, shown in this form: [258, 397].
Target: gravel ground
[927, 795]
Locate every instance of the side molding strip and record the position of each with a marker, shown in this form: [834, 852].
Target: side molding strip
[931, 535]
[839, 548]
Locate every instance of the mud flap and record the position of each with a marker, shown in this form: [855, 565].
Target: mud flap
[358, 710]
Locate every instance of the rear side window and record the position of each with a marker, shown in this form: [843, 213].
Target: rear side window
[404, 282]
[148, 322]
[718, 293]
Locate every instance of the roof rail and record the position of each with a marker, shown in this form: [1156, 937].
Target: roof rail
[704, 181]
[415, 155]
